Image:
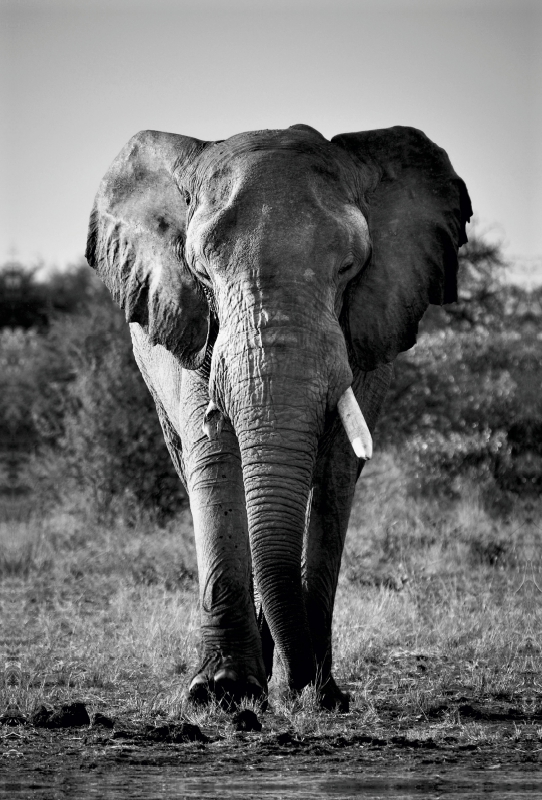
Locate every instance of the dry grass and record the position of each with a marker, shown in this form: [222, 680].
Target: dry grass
[430, 605]
[100, 610]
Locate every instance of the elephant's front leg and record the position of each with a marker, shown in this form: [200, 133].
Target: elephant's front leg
[232, 664]
[333, 493]
[332, 497]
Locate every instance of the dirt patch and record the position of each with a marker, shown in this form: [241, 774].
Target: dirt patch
[494, 745]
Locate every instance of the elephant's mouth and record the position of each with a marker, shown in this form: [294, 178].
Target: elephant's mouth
[350, 413]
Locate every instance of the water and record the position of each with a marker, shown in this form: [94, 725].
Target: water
[154, 783]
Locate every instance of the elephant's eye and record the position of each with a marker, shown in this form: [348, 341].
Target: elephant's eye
[200, 270]
[346, 268]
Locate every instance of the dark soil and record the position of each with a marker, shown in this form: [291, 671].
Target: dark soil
[503, 749]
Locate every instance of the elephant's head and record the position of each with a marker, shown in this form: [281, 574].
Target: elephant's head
[293, 260]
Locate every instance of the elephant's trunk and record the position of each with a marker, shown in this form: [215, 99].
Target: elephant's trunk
[277, 402]
[278, 459]
[277, 473]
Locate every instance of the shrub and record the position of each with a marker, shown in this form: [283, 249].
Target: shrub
[76, 416]
[442, 464]
[110, 439]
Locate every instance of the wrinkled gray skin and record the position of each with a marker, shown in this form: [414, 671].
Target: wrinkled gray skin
[268, 273]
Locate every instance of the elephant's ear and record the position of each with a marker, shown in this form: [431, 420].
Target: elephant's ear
[135, 242]
[417, 208]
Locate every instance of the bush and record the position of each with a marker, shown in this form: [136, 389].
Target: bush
[86, 421]
[443, 464]
[454, 383]
[111, 441]
[472, 381]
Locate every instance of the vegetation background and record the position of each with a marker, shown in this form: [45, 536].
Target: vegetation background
[438, 587]
[76, 420]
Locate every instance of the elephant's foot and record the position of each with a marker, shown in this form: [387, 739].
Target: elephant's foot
[332, 698]
[224, 680]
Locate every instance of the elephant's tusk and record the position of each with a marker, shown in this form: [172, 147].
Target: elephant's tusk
[355, 426]
[213, 421]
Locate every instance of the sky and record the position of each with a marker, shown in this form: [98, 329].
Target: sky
[79, 77]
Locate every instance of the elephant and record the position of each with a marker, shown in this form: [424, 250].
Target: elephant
[269, 280]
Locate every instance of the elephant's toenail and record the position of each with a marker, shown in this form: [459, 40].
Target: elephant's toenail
[199, 689]
[226, 676]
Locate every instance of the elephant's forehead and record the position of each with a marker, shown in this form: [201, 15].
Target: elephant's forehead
[256, 165]
[250, 144]
[287, 196]
[272, 230]
[274, 188]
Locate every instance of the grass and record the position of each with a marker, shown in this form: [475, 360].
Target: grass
[434, 601]
[440, 607]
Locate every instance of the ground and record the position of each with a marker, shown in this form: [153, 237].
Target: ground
[436, 637]
[491, 745]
